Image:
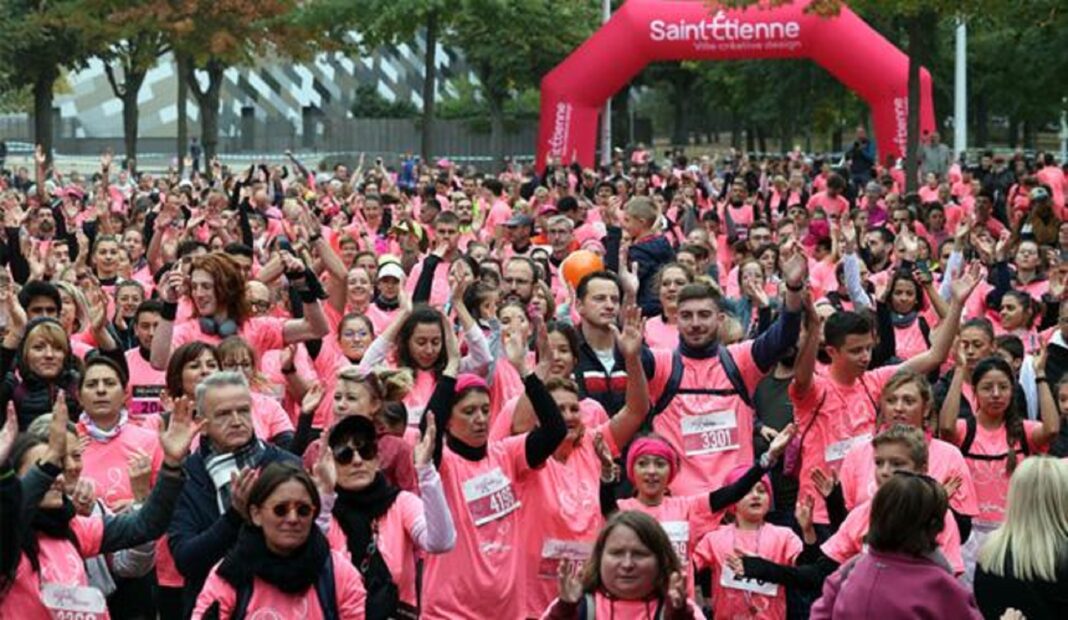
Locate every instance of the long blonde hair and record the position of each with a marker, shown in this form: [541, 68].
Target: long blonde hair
[1035, 530]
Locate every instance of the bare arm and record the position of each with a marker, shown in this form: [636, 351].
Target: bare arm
[947, 418]
[1047, 405]
[629, 420]
[942, 338]
[805, 365]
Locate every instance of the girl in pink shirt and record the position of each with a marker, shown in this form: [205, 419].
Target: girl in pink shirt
[378, 526]
[734, 596]
[634, 574]
[281, 563]
[994, 439]
[661, 331]
[1017, 316]
[485, 487]
[270, 421]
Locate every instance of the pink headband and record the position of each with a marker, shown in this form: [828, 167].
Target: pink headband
[467, 381]
[738, 472]
[654, 446]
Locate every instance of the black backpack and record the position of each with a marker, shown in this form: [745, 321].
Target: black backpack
[672, 389]
[969, 439]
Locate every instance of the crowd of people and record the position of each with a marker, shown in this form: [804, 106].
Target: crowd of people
[720, 387]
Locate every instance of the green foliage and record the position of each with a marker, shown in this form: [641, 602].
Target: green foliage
[370, 104]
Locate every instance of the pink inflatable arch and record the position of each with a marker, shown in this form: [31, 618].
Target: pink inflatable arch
[645, 31]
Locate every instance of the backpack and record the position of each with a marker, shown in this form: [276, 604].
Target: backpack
[969, 439]
[324, 589]
[672, 389]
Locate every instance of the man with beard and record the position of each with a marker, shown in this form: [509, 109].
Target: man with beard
[520, 227]
[517, 281]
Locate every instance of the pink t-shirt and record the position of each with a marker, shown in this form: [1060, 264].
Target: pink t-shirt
[439, 287]
[990, 477]
[268, 601]
[419, 397]
[482, 577]
[833, 206]
[660, 335]
[268, 417]
[394, 541]
[262, 333]
[741, 597]
[943, 461]
[685, 519]
[145, 386]
[711, 434]
[848, 541]
[833, 418]
[617, 609]
[563, 517]
[62, 566]
[106, 464]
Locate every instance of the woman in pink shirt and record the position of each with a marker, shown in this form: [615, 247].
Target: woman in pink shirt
[485, 486]
[993, 441]
[281, 565]
[634, 574]
[270, 420]
[661, 332]
[380, 527]
[216, 285]
[51, 580]
[1018, 315]
[907, 399]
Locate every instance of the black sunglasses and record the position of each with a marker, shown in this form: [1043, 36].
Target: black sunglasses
[282, 509]
[344, 455]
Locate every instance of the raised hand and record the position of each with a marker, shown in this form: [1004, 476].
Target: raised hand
[628, 276]
[677, 591]
[424, 450]
[824, 483]
[778, 445]
[609, 468]
[57, 430]
[629, 340]
[803, 512]
[39, 155]
[795, 270]
[569, 581]
[173, 285]
[179, 434]
[105, 159]
[139, 469]
[240, 486]
[312, 398]
[515, 347]
[452, 348]
[1040, 358]
[546, 354]
[952, 484]
[9, 432]
[324, 472]
[963, 286]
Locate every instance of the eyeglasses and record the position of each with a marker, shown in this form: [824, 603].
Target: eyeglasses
[344, 455]
[515, 281]
[283, 509]
[350, 334]
[260, 305]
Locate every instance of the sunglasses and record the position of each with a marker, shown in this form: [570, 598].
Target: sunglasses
[344, 455]
[304, 511]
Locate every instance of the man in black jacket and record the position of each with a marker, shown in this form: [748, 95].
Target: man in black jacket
[213, 504]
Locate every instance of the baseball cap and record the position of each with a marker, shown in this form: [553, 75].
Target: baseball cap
[391, 269]
[1039, 193]
[519, 219]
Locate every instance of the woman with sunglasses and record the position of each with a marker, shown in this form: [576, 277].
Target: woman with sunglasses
[484, 487]
[379, 526]
[281, 565]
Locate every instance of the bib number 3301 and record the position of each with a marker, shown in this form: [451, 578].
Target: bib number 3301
[713, 432]
[490, 496]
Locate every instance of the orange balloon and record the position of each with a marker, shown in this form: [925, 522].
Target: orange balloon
[579, 264]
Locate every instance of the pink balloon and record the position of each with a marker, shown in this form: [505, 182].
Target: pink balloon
[645, 31]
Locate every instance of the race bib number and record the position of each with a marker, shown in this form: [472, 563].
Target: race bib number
[713, 432]
[490, 496]
[555, 551]
[679, 534]
[837, 450]
[145, 400]
[73, 602]
[415, 416]
[728, 579]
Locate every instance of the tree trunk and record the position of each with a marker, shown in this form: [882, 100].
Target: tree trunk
[1014, 132]
[429, 85]
[678, 130]
[836, 138]
[496, 108]
[131, 113]
[982, 122]
[762, 139]
[736, 131]
[1028, 135]
[209, 101]
[750, 139]
[912, 145]
[182, 65]
[42, 110]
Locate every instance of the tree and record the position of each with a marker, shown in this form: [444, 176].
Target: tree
[370, 104]
[511, 44]
[39, 39]
[211, 36]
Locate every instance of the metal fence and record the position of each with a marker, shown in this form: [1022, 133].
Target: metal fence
[388, 138]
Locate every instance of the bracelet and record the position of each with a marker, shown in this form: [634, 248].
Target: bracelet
[288, 371]
[169, 311]
[315, 238]
[307, 296]
[797, 289]
[1041, 379]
